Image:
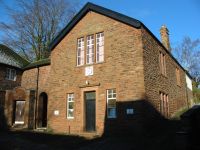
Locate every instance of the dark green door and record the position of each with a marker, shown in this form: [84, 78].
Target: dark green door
[90, 102]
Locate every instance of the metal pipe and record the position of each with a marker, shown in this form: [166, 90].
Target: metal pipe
[36, 99]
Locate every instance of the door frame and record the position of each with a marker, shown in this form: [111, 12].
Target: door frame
[95, 117]
[83, 91]
[14, 112]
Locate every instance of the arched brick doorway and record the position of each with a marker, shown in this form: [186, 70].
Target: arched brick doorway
[42, 110]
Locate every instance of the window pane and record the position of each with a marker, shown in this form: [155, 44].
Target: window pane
[111, 112]
[80, 51]
[112, 103]
[70, 113]
[7, 73]
[71, 105]
[90, 49]
[100, 47]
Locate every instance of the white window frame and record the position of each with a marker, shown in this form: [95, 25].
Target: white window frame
[111, 98]
[99, 47]
[70, 99]
[9, 75]
[80, 50]
[90, 49]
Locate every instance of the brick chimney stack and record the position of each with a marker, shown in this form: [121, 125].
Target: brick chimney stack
[164, 32]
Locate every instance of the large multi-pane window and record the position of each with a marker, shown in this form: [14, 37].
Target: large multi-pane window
[70, 106]
[100, 47]
[164, 104]
[90, 50]
[111, 103]
[10, 74]
[80, 52]
[162, 62]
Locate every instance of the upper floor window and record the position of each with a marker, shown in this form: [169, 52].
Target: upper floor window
[70, 106]
[178, 78]
[80, 52]
[99, 47]
[111, 103]
[11, 74]
[162, 62]
[164, 104]
[90, 50]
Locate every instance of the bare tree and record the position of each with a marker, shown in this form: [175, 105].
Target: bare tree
[188, 54]
[34, 23]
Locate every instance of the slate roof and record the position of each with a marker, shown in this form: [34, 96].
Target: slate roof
[9, 57]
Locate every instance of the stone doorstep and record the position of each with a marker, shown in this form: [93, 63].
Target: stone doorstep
[40, 129]
[89, 135]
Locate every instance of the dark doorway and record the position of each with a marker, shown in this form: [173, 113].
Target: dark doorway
[90, 112]
[19, 112]
[42, 110]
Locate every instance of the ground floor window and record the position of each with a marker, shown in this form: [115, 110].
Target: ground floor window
[70, 106]
[164, 104]
[111, 103]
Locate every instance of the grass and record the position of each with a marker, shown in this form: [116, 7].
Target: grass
[177, 115]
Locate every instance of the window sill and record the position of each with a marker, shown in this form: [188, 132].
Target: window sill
[85, 65]
[11, 79]
[70, 118]
[165, 76]
[111, 118]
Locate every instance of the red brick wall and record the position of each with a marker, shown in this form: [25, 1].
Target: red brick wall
[122, 69]
[155, 81]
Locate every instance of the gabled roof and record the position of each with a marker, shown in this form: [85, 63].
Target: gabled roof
[15, 60]
[109, 13]
[98, 9]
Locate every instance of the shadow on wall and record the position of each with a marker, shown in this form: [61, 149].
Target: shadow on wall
[135, 117]
[145, 127]
[3, 121]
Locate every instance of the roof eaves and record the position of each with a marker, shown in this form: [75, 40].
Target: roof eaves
[40, 63]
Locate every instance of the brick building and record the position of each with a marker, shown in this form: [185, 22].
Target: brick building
[106, 71]
[11, 65]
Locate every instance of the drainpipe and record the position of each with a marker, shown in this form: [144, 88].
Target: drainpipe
[36, 99]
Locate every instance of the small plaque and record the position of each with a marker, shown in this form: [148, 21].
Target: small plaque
[89, 71]
[130, 111]
[56, 112]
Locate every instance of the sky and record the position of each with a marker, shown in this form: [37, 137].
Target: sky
[182, 17]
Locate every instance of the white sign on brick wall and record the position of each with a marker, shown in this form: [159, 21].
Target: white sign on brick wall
[89, 71]
[56, 112]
